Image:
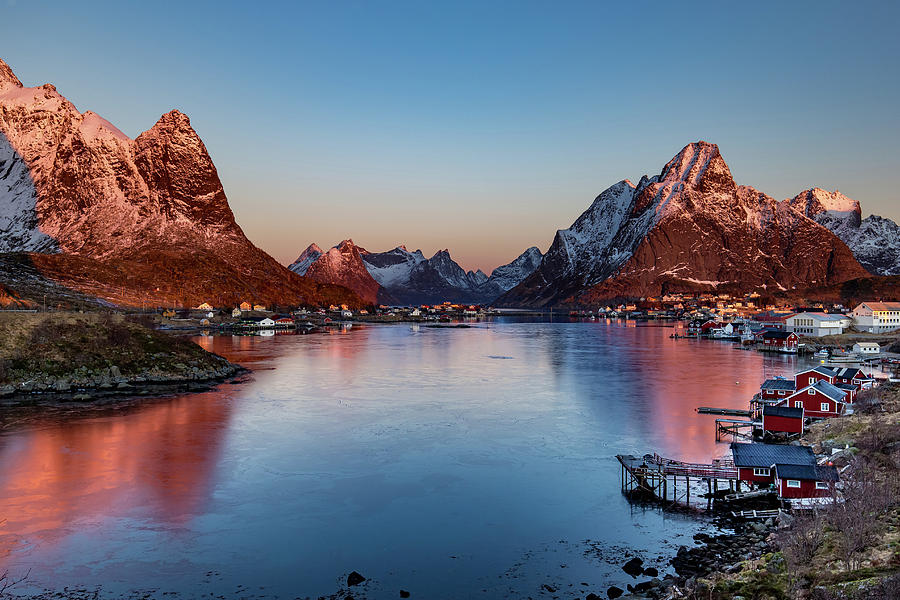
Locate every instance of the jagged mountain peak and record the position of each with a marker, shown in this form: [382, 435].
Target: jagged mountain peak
[74, 184]
[690, 227]
[815, 201]
[692, 162]
[8, 79]
[874, 241]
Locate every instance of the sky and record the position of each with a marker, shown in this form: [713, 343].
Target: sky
[481, 127]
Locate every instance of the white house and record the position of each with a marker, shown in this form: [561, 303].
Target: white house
[817, 324]
[266, 322]
[236, 313]
[877, 317]
[867, 348]
[346, 313]
[415, 312]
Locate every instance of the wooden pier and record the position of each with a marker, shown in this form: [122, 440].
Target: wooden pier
[735, 428]
[654, 474]
[726, 412]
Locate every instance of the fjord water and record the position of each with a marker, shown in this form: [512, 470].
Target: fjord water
[452, 463]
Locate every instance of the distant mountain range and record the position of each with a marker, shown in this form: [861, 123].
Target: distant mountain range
[146, 218]
[693, 229]
[402, 277]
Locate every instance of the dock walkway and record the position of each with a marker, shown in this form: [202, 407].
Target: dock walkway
[653, 473]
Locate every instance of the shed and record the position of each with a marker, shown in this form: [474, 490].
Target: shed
[782, 419]
[755, 461]
[804, 481]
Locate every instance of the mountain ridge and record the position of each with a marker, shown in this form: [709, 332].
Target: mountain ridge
[690, 229]
[71, 183]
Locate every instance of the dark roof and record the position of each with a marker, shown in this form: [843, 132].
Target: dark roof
[809, 472]
[766, 455]
[778, 384]
[850, 373]
[823, 387]
[782, 411]
[845, 386]
[773, 334]
[827, 371]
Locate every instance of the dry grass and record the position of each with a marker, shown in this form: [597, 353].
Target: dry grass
[58, 344]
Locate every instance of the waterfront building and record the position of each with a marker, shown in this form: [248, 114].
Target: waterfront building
[877, 317]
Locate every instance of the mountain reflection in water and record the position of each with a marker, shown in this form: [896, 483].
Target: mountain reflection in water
[413, 455]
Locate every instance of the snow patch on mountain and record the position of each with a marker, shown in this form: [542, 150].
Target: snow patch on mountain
[394, 267]
[19, 229]
[308, 257]
[874, 241]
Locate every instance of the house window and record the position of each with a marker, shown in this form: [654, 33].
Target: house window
[798, 403]
[812, 392]
[821, 485]
[761, 472]
[793, 483]
[825, 407]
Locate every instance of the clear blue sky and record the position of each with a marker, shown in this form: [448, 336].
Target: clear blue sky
[481, 127]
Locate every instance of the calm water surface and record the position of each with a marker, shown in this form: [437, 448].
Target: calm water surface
[452, 463]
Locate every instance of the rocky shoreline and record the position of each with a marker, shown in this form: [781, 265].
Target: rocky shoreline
[86, 385]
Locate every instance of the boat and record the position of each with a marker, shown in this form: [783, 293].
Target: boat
[823, 353]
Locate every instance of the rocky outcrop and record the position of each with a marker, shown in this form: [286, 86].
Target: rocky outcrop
[691, 228]
[72, 183]
[874, 241]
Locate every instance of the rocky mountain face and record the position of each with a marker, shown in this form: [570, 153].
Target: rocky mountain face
[691, 228]
[874, 241]
[342, 265]
[306, 258]
[72, 183]
[411, 279]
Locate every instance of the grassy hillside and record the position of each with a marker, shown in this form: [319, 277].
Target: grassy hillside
[91, 350]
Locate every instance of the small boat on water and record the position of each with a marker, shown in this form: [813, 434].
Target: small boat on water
[823, 353]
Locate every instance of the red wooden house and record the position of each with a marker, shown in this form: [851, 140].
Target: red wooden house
[805, 481]
[782, 341]
[706, 328]
[852, 376]
[782, 419]
[810, 376]
[820, 399]
[777, 388]
[756, 462]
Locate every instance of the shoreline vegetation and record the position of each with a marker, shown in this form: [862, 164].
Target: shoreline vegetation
[88, 357]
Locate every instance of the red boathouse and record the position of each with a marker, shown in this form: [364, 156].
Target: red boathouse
[805, 481]
[782, 419]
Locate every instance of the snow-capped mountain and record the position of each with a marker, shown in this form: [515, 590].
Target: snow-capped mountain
[342, 265]
[394, 267]
[874, 241]
[153, 208]
[690, 228]
[306, 258]
[412, 279]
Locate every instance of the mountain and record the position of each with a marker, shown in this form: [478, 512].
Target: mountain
[306, 258]
[147, 216]
[342, 265]
[689, 229]
[411, 279]
[874, 241]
